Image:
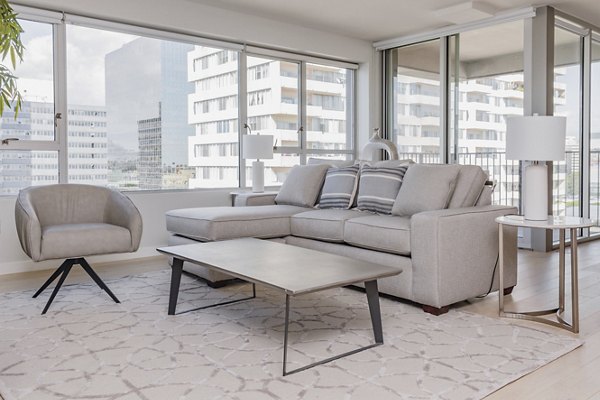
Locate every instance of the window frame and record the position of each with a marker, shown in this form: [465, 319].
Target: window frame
[59, 21]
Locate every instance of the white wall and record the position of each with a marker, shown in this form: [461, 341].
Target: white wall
[217, 23]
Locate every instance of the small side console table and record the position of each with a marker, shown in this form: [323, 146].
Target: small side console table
[562, 224]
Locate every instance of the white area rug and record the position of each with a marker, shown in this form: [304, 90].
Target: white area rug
[88, 347]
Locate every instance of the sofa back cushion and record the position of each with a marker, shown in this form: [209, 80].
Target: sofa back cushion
[302, 185]
[469, 185]
[426, 187]
[340, 187]
[378, 188]
[330, 162]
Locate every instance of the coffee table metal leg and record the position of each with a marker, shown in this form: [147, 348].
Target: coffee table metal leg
[373, 300]
[561, 271]
[176, 270]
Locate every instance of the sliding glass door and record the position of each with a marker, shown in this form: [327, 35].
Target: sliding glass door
[414, 101]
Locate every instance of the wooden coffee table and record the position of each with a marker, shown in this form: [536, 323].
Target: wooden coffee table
[292, 270]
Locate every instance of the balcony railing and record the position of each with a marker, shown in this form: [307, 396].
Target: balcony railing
[566, 194]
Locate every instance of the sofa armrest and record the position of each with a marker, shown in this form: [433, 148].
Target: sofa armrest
[454, 253]
[254, 199]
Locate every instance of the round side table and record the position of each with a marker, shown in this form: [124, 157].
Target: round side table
[562, 224]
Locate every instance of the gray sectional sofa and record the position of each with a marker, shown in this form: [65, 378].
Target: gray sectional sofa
[448, 252]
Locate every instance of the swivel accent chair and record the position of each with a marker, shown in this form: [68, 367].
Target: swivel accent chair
[70, 221]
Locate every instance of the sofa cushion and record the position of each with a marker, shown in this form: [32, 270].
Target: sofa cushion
[340, 187]
[221, 223]
[302, 185]
[425, 187]
[469, 185]
[379, 232]
[325, 225]
[79, 240]
[378, 188]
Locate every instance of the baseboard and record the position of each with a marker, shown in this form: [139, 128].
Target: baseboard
[30, 266]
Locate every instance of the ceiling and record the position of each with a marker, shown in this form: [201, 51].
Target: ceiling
[374, 20]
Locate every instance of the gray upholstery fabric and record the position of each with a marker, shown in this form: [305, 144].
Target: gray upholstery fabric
[330, 162]
[378, 188]
[302, 185]
[339, 189]
[221, 223]
[50, 210]
[379, 232]
[254, 199]
[469, 184]
[391, 163]
[80, 240]
[425, 188]
[325, 225]
[454, 253]
[485, 198]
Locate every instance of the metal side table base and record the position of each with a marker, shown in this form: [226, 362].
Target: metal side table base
[559, 311]
[373, 300]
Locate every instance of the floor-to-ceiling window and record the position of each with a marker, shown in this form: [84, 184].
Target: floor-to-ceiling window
[138, 108]
[488, 86]
[414, 100]
[595, 133]
[566, 191]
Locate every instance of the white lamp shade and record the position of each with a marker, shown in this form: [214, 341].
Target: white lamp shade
[536, 138]
[257, 147]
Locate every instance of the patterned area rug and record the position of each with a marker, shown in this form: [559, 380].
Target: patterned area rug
[87, 347]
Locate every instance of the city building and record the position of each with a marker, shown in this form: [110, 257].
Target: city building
[146, 80]
[272, 98]
[86, 141]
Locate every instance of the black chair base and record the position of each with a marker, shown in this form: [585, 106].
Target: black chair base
[63, 271]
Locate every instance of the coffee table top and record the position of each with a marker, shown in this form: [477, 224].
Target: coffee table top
[294, 270]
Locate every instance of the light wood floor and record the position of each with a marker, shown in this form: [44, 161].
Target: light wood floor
[573, 376]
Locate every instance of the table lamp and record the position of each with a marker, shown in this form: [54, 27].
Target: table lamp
[538, 139]
[257, 147]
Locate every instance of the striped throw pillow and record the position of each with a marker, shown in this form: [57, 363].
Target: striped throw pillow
[378, 188]
[340, 187]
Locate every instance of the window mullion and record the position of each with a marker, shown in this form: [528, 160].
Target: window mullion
[60, 99]
[302, 112]
[242, 113]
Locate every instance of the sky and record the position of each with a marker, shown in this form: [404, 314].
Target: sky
[86, 48]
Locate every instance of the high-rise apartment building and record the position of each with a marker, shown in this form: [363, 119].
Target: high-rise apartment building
[146, 95]
[272, 108]
[87, 142]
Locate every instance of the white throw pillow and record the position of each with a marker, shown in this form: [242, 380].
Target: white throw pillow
[302, 185]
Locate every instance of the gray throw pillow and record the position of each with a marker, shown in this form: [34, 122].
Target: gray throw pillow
[425, 188]
[340, 187]
[378, 188]
[302, 185]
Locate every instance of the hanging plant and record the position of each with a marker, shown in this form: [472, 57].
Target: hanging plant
[11, 48]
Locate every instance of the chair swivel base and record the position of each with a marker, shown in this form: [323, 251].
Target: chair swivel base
[63, 271]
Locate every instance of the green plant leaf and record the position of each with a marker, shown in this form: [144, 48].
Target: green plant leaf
[10, 46]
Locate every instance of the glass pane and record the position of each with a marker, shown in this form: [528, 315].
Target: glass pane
[595, 137]
[567, 102]
[273, 97]
[213, 150]
[414, 106]
[36, 84]
[150, 114]
[328, 107]
[22, 168]
[489, 88]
